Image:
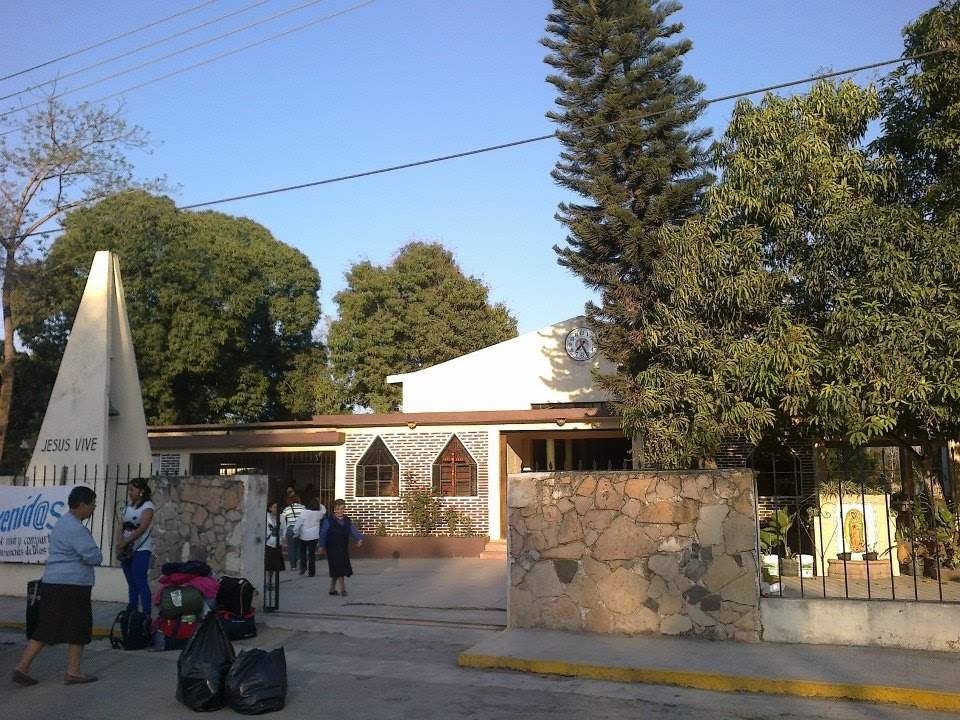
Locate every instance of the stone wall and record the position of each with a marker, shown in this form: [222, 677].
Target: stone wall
[219, 520]
[635, 552]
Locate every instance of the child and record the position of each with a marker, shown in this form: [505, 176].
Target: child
[335, 540]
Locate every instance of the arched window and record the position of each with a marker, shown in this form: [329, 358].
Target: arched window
[378, 473]
[454, 472]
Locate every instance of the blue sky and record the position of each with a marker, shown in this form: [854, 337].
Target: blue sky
[398, 81]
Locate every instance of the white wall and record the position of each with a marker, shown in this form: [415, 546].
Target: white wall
[885, 623]
[512, 375]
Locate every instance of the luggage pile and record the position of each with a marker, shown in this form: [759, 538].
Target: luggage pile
[187, 592]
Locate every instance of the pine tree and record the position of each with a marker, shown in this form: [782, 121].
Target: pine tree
[626, 121]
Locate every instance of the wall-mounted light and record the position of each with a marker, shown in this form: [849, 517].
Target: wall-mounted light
[412, 424]
[560, 421]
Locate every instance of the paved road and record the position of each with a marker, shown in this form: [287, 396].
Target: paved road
[372, 670]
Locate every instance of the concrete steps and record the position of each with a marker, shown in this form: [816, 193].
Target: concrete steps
[495, 550]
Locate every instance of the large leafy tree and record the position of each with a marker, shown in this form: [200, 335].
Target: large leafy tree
[802, 300]
[920, 103]
[220, 311]
[630, 151]
[416, 312]
[57, 158]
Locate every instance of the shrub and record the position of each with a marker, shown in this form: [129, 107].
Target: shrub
[423, 509]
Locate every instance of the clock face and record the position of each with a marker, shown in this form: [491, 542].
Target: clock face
[580, 344]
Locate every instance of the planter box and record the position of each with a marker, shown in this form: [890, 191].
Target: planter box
[407, 546]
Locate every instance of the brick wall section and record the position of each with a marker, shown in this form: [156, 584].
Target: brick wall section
[673, 553]
[415, 452]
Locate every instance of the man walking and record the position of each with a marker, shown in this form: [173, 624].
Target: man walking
[291, 514]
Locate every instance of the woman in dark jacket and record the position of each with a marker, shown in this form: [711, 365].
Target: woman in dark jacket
[335, 541]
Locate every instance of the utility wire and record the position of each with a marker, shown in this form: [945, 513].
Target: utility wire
[82, 50]
[538, 138]
[161, 58]
[128, 53]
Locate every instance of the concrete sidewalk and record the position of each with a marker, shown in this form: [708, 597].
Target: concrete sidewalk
[925, 680]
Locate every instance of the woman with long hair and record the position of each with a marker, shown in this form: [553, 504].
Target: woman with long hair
[273, 555]
[135, 543]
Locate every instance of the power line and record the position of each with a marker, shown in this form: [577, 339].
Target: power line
[128, 53]
[82, 50]
[161, 58]
[537, 138]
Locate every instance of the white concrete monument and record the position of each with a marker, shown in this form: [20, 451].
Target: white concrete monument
[94, 421]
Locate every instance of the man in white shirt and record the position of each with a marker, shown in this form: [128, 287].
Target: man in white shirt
[292, 513]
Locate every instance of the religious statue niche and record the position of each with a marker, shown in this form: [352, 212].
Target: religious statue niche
[854, 531]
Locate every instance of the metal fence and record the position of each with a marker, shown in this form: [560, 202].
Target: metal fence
[109, 482]
[870, 524]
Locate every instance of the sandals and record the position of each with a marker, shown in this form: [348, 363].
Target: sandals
[344, 593]
[79, 679]
[23, 680]
[334, 592]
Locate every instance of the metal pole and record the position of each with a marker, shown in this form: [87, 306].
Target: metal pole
[866, 534]
[843, 540]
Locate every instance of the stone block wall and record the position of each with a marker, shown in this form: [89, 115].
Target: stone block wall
[219, 520]
[630, 552]
[415, 452]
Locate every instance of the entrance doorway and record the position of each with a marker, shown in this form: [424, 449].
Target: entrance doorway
[546, 451]
[310, 474]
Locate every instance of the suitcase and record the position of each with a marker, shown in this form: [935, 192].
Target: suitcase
[33, 607]
[238, 627]
[173, 633]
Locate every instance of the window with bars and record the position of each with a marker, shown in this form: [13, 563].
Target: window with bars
[378, 472]
[454, 472]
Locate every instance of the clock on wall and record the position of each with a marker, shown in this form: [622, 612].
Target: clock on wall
[580, 344]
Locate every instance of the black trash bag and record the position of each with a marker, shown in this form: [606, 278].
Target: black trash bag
[257, 682]
[203, 666]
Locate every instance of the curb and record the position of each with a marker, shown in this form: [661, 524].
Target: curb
[12, 625]
[717, 682]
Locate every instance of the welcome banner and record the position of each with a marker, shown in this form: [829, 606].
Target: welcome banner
[27, 514]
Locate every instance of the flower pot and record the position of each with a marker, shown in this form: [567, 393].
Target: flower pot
[843, 556]
[870, 556]
[912, 567]
[930, 568]
[771, 563]
[790, 567]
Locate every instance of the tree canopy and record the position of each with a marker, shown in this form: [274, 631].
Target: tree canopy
[630, 150]
[59, 157]
[220, 311]
[813, 290]
[920, 104]
[416, 312]
[799, 300]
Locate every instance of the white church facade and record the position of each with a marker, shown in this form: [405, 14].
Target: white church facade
[529, 403]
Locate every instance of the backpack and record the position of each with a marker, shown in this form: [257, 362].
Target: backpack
[130, 631]
[177, 600]
[235, 596]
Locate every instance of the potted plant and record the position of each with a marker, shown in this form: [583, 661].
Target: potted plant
[773, 536]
